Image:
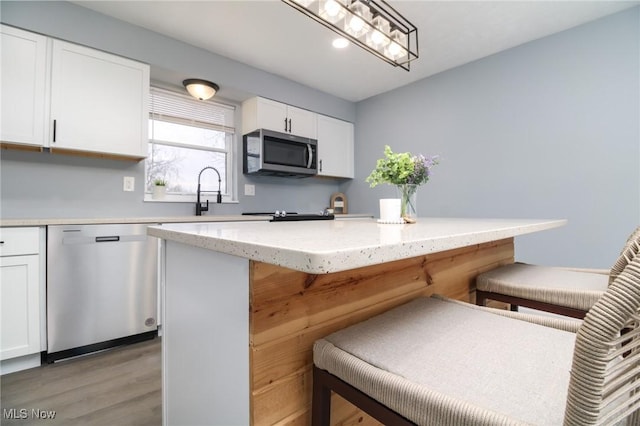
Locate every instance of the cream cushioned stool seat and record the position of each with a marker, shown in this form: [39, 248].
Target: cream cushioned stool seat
[564, 291]
[565, 288]
[436, 361]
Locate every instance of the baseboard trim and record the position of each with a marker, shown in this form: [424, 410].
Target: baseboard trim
[50, 357]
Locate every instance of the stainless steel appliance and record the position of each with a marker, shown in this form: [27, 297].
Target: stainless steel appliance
[284, 216]
[101, 287]
[266, 152]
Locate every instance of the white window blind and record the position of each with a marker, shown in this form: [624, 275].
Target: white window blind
[183, 109]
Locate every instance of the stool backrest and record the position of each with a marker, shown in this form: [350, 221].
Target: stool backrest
[623, 260]
[605, 374]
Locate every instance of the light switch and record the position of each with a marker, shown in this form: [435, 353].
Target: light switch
[249, 190]
[129, 183]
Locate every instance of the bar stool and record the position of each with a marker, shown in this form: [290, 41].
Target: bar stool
[563, 291]
[435, 361]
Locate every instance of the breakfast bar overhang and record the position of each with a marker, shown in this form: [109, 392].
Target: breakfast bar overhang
[244, 302]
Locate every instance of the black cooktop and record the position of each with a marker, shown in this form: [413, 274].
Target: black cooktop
[279, 216]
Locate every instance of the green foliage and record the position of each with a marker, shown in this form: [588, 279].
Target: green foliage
[401, 168]
[160, 182]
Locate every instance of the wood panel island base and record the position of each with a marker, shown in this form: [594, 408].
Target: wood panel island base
[244, 302]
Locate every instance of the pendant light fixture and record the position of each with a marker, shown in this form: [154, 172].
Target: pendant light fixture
[200, 89]
[373, 25]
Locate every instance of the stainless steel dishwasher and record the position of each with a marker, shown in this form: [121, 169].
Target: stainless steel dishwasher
[101, 288]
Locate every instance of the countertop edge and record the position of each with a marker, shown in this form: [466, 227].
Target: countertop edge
[316, 262]
[12, 223]
[6, 223]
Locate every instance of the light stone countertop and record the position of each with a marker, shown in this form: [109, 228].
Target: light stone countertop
[321, 247]
[108, 220]
[154, 220]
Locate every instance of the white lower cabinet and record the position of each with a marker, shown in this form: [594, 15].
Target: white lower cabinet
[21, 297]
[20, 315]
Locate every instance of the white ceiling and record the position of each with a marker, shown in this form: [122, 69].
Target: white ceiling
[272, 36]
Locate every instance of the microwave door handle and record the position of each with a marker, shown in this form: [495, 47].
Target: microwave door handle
[310, 150]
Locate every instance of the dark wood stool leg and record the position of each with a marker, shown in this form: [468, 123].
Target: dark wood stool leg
[481, 298]
[321, 400]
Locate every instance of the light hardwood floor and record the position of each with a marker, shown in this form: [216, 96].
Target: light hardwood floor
[121, 386]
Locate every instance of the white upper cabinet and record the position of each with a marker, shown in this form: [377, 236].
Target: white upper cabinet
[99, 102]
[69, 97]
[261, 113]
[23, 87]
[302, 122]
[335, 147]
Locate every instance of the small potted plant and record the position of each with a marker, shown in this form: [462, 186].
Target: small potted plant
[407, 172]
[159, 189]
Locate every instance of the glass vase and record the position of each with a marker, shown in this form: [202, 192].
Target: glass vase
[408, 201]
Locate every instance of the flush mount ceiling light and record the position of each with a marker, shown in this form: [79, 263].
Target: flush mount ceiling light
[200, 89]
[373, 25]
[340, 43]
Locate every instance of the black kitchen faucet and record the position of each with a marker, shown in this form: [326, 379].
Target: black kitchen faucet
[199, 206]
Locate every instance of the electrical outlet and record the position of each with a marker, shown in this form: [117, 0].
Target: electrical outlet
[129, 183]
[249, 190]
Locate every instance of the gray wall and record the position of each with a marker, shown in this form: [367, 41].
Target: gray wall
[35, 185]
[549, 129]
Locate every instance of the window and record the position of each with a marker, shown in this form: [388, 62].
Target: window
[185, 136]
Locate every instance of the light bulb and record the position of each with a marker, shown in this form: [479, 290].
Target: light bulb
[394, 49]
[378, 38]
[332, 10]
[356, 23]
[397, 48]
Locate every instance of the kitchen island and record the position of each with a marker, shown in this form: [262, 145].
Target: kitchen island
[244, 302]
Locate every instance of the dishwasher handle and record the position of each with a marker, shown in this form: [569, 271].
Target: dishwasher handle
[108, 239]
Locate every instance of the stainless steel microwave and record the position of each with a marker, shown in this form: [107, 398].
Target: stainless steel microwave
[266, 152]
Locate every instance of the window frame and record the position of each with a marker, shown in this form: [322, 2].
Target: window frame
[231, 143]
